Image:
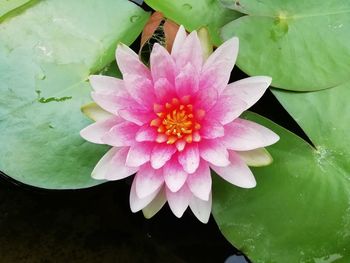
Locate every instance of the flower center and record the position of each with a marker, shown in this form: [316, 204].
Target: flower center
[176, 121]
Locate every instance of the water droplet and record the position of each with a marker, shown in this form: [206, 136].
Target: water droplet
[187, 6]
[133, 19]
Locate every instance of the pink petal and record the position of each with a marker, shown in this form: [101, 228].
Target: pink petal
[237, 173]
[201, 209]
[200, 181]
[174, 175]
[217, 69]
[136, 203]
[112, 165]
[162, 64]
[141, 89]
[211, 129]
[206, 99]
[105, 83]
[186, 81]
[137, 116]
[95, 132]
[113, 101]
[226, 109]
[249, 90]
[107, 100]
[180, 145]
[189, 158]
[164, 90]
[161, 153]
[111, 95]
[244, 135]
[179, 200]
[178, 41]
[156, 204]
[191, 52]
[148, 180]
[139, 154]
[129, 63]
[122, 134]
[214, 152]
[146, 133]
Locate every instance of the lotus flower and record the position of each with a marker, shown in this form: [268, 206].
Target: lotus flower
[173, 122]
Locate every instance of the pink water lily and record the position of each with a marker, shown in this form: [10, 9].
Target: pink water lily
[173, 122]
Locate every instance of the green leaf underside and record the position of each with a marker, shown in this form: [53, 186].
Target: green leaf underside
[46, 55]
[193, 14]
[300, 209]
[303, 45]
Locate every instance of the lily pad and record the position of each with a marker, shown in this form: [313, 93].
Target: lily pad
[303, 45]
[11, 5]
[193, 14]
[300, 209]
[47, 53]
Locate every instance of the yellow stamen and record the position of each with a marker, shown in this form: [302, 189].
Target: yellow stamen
[171, 140]
[176, 122]
[155, 122]
[188, 138]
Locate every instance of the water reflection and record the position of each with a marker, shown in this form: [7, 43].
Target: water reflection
[96, 225]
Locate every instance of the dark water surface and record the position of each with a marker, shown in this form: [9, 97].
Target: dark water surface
[96, 225]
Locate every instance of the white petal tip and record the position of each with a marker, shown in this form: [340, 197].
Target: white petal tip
[156, 165]
[246, 182]
[97, 177]
[268, 80]
[86, 135]
[202, 218]
[134, 209]
[204, 197]
[274, 138]
[249, 186]
[172, 187]
[178, 214]
[135, 205]
[234, 41]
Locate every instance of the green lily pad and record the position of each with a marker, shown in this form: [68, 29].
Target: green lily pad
[300, 209]
[47, 53]
[303, 45]
[8, 6]
[193, 14]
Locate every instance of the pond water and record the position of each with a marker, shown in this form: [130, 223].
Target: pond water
[96, 225]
